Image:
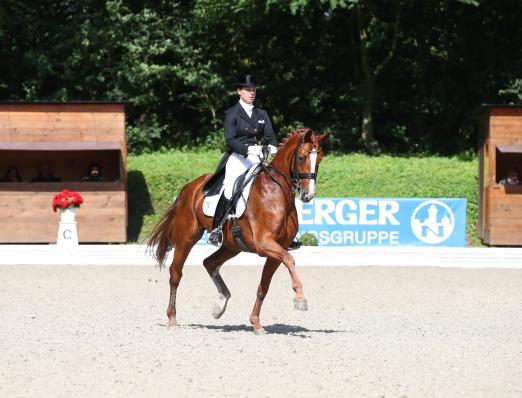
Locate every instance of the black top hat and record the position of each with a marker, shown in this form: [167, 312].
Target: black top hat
[246, 81]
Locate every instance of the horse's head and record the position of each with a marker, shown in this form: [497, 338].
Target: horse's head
[303, 153]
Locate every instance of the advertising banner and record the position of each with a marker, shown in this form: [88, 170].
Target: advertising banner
[384, 221]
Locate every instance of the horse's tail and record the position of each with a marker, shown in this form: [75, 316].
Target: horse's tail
[161, 235]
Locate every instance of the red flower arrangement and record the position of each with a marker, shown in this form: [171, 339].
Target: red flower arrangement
[66, 199]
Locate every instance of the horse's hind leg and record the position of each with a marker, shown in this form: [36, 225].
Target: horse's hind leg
[268, 271]
[181, 253]
[212, 264]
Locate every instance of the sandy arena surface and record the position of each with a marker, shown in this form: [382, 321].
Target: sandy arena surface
[95, 331]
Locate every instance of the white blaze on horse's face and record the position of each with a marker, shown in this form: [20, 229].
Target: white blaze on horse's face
[311, 185]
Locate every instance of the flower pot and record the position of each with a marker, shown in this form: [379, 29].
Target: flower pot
[68, 215]
[67, 232]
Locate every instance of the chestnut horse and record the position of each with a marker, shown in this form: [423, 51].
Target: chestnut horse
[268, 224]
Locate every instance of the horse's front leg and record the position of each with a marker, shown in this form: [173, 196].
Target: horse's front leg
[213, 264]
[268, 271]
[272, 249]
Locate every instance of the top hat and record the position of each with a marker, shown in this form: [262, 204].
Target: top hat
[246, 81]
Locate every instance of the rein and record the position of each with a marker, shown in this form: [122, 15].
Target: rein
[266, 166]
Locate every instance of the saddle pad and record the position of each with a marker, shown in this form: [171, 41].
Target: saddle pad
[210, 202]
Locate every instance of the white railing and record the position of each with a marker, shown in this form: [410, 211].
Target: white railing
[306, 256]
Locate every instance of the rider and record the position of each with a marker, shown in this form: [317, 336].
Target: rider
[245, 125]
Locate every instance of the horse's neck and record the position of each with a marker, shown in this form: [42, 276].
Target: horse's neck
[281, 177]
[282, 161]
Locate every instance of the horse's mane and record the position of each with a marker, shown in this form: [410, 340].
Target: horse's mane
[293, 134]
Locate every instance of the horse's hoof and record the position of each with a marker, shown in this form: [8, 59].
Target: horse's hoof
[300, 304]
[217, 311]
[220, 307]
[172, 325]
[260, 331]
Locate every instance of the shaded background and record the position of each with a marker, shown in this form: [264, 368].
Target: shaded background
[403, 77]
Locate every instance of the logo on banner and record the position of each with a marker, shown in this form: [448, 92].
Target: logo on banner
[432, 222]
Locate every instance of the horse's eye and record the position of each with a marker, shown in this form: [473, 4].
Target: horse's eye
[301, 159]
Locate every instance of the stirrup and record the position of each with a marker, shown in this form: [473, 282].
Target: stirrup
[216, 237]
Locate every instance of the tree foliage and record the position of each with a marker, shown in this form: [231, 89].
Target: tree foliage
[391, 76]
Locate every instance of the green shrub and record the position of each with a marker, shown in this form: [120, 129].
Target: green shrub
[308, 239]
[354, 175]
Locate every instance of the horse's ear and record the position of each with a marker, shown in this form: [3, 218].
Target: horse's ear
[322, 137]
[308, 135]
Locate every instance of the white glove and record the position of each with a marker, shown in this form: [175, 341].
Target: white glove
[255, 150]
[254, 159]
[272, 149]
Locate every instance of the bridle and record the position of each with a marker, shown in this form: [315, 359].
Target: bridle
[303, 176]
[295, 177]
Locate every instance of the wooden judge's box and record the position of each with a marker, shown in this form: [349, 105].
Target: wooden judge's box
[500, 150]
[66, 137]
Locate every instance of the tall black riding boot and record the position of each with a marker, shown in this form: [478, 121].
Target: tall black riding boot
[216, 236]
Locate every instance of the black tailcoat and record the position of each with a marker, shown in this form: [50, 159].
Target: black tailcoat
[241, 131]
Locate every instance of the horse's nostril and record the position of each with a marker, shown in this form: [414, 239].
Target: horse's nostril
[304, 197]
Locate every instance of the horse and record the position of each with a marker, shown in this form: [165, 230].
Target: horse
[268, 224]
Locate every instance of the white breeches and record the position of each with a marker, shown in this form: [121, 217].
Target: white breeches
[236, 165]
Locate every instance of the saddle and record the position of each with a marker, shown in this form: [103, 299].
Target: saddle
[216, 205]
[214, 188]
[214, 185]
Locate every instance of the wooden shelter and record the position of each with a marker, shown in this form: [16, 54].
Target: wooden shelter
[65, 138]
[500, 150]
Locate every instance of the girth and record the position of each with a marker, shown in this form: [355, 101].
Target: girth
[238, 236]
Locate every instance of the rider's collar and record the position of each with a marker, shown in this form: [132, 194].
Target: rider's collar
[247, 107]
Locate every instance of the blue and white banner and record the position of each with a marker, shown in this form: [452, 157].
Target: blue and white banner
[384, 221]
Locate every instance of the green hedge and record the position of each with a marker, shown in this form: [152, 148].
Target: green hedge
[154, 179]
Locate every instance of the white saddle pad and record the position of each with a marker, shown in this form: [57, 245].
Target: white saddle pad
[210, 202]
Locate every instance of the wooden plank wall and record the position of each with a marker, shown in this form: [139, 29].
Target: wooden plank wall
[62, 122]
[27, 215]
[503, 205]
[506, 126]
[25, 208]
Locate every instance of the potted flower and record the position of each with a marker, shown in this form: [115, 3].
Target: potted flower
[67, 202]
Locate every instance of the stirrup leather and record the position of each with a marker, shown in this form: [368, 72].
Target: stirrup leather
[215, 237]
